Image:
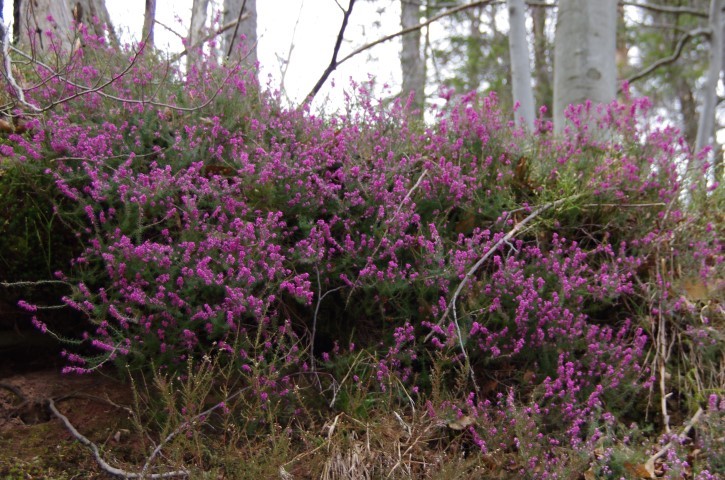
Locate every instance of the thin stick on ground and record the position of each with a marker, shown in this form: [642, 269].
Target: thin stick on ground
[649, 465]
[183, 427]
[506, 238]
[97, 454]
[452, 304]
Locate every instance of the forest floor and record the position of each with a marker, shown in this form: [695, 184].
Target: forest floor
[34, 444]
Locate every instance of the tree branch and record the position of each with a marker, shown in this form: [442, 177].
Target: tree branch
[672, 58]
[452, 304]
[650, 464]
[236, 28]
[213, 34]
[8, 71]
[333, 63]
[97, 454]
[98, 89]
[666, 9]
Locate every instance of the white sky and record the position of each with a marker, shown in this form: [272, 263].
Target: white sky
[309, 26]
[318, 22]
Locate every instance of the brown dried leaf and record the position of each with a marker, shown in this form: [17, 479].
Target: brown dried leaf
[461, 423]
[640, 470]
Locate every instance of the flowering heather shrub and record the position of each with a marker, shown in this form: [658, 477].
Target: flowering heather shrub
[218, 222]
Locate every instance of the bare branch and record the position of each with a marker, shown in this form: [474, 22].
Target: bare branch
[672, 58]
[181, 37]
[98, 89]
[649, 465]
[666, 9]
[333, 62]
[97, 454]
[213, 34]
[236, 28]
[19, 93]
[433, 19]
[511, 234]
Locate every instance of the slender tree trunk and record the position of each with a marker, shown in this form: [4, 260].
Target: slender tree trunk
[542, 57]
[622, 56]
[473, 50]
[244, 11]
[688, 108]
[584, 55]
[520, 65]
[411, 60]
[706, 125]
[149, 19]
[196, 31]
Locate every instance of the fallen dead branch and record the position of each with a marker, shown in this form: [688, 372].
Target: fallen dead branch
[97, 454]
[650, 464]
[511, 234]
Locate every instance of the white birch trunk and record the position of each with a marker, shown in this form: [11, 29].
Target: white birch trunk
[411, 60]
[247, 27]
[584, 55]
[34, 25]
[149, 19]
[523, 91]
[196, 31]
[706, 125]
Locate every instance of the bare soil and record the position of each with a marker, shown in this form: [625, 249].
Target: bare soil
[34, 444]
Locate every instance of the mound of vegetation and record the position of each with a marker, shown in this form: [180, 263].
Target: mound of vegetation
[493, 302]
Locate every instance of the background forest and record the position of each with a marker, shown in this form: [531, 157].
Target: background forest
[508, 264]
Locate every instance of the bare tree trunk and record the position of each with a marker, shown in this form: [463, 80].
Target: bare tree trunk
[196, 31]
[32, 25]
[688, 107]
[520, 67]
[584, 55]
[541, 58]
[411, 60]
[147, 34]
[36, 32]
[622, 56]
[245, 12]
[473, 49]
[706, 126]
[94, 14]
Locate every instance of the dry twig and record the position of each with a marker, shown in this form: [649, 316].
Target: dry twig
[97, 454]
[505, 239]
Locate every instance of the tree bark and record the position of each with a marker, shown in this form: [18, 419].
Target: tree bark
[706, 125]
[149, 19]
[473, 49]
[584, 55]
[196, 31]
[411, 60]
[688, 107]
[523, 92]
[33, 27]
[39, 35]
[542, 57]
[244, 11]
